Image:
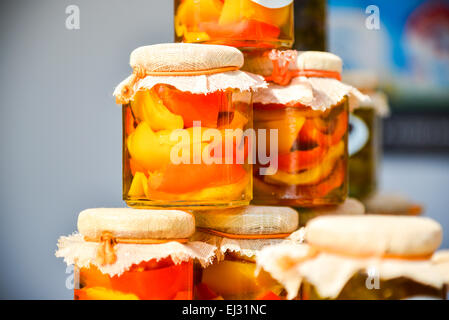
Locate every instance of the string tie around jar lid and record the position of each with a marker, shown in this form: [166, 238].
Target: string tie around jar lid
[243, 236]
[282, 74]
[106, 250]
[140, 73]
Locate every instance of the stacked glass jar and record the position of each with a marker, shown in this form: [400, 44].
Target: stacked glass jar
[308, 105]
[365, 136]
[189, 144]
[301, 128]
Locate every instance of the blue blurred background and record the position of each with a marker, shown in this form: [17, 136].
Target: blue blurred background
[61, 130]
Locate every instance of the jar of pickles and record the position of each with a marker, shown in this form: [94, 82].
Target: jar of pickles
[362, 258]
[129, 254]
[307, 105]
[239, 234]
[186, 113]
[246, 24]
[373, 258]
[365, 135]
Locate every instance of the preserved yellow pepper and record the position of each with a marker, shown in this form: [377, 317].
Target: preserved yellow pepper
[246, 24]
[184, 144]
[130, 254]
[308, 106]
[239, 234]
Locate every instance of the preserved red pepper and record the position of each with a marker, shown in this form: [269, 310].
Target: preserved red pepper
[184, 143]
[246, 24]
[133, 254]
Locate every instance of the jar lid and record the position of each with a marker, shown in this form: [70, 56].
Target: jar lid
[351, 207]
[135, 224]
[189, 67]
[185, 57]
[362, 79]
[249, 220]
[375, 235]
[319, 60]
[305, 60]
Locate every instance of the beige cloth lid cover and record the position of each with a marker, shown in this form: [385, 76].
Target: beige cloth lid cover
[375, 235]
[205, 61]
[307, 60]
[351, 207]
[317, 93]
[362, 79]
[169, 57]
[388, 203]
[365, 80]
[136, 223]
[249, 220]
[133, 224]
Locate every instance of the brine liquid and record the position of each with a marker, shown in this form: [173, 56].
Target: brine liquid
[240, 23]
[234, 279]
[165, 142]
[162, 280]
[312, 156]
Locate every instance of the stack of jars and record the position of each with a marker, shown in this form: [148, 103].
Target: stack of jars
[189, 148]
[221, 149]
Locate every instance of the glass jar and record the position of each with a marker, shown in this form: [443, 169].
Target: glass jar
[239, 234]
[312, 155]
[364, 152]
[234, 278]
[149, 280]
[187, 127]
[393, 289]
[365, 134]
[151, 177]
[245, 24]
[131, 254]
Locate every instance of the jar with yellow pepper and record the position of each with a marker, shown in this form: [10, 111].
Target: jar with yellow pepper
[245, 24]
[129, 254]
[186, 110]
[239, 234]
[308, 106]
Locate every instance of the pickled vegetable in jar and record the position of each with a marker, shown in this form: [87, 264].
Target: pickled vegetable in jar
[129, 254]
[373, 258]
[239, 234]
[245, 24]
[394, 289]
[365, 135]
[308, 106]
[187, 111]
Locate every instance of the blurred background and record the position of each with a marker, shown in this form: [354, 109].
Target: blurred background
[61, 130]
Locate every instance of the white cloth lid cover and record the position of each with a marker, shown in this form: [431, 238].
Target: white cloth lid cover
[374, 235]
[249, 220]
[169, 57]
[136, 223]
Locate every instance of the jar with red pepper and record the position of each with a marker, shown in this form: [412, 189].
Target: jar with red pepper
[186, 109]
[245, 24]
[308, 106]
[130, 254]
